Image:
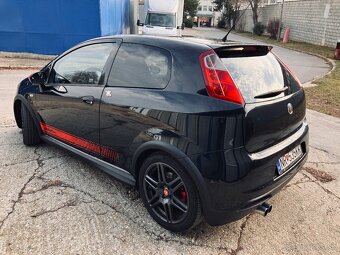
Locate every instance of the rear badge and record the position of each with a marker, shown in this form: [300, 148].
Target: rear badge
[290, 108]
[108, 93]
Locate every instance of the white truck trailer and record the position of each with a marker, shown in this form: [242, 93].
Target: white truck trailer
[162, 17]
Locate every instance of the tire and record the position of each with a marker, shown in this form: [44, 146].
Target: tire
[169, 194]
[30, 133]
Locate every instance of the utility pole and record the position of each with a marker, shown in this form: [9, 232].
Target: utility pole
[134, 4]
[279, 30]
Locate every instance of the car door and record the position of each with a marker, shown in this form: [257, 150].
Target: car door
[68, 105]
[138, 72]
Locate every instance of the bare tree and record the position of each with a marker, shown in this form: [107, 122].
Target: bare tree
[254, 4]
[229, 10]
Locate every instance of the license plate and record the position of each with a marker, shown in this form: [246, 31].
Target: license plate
[288, 159]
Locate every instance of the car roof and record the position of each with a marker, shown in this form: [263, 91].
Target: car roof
[200, 44]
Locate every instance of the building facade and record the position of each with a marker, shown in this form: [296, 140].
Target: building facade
[206, 16]
[51, 27]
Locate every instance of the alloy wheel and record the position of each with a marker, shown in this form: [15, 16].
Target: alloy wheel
[166, 193]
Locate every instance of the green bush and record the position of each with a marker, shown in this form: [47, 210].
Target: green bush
[259, 28]
[273, 28]
[188, 23]
[221, 23]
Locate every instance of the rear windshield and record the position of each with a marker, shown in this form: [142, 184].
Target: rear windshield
[256, 75]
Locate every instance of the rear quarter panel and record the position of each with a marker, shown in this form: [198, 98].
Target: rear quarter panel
[191, 123]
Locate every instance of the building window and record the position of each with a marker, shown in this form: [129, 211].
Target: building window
[205, 8]
[210, 8]
[200, 7]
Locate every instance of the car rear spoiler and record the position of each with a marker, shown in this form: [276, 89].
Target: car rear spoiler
[247, 50]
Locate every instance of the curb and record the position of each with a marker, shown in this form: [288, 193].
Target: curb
[329, 61]
[21, 67]
[26, 55]
[23, 56]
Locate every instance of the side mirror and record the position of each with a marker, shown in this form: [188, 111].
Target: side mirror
[140, 24]
[38, 78]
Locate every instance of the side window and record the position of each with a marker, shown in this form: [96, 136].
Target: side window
[290, 80]
[82, 66]
[140, 66]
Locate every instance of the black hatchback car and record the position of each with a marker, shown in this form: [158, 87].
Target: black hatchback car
[203, 130]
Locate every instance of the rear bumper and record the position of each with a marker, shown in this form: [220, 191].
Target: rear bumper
[258, 181]
[217, 217]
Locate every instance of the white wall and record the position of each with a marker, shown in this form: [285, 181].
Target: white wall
[307, 20]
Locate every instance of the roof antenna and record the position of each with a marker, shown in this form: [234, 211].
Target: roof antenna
[224, 39]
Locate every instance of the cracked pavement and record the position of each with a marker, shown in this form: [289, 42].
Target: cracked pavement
[54, 203]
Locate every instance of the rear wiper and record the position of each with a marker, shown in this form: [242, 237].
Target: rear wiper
[272, 93]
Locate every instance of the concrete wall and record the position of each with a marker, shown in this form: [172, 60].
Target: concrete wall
[306, 19]
[51, 27]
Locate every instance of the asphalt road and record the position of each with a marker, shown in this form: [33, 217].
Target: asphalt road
[54, 203]
[305, 66]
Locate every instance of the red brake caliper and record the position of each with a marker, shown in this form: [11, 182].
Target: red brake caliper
[184, 196]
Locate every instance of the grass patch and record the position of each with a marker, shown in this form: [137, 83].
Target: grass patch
[325, 97]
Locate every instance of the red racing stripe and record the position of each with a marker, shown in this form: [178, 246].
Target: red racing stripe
[80, 142]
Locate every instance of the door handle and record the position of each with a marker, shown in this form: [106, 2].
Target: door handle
[88, 100]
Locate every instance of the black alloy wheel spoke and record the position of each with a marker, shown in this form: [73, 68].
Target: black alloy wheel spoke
[161, 173]
[154, 201]
[151, 182]
[176, 184]
[168, 212]
[179, 204]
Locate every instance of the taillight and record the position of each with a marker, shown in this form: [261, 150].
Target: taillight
[218, 81]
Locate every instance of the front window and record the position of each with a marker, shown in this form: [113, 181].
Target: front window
[82, 66]
[161, 20]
